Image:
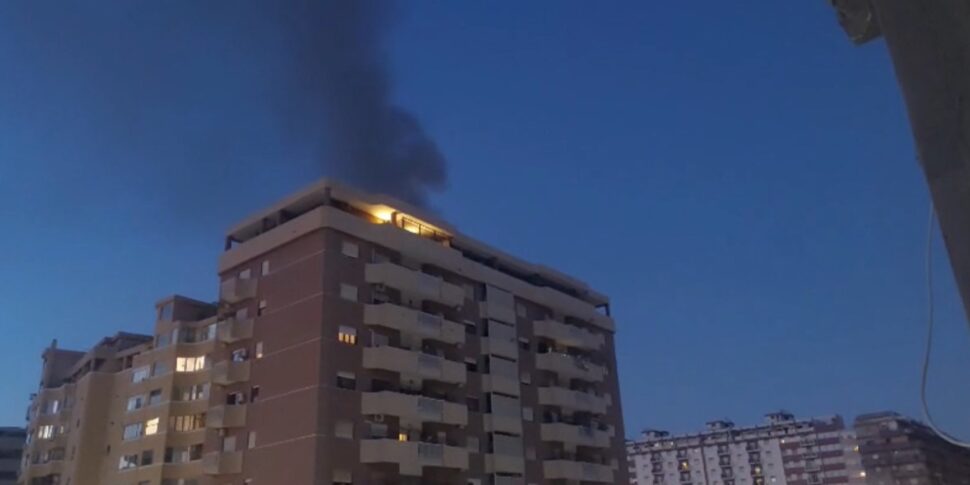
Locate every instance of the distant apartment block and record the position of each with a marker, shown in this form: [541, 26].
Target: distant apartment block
[782, 451]
[355, 340]
[11, 447]
[900, 451]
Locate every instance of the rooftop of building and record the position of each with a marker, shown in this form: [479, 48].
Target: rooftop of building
[780, 423]
[384, 209]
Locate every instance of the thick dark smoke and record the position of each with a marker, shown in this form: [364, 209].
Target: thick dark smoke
[199, 104]
[372, 141]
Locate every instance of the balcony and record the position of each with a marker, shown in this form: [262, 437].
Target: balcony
[222, 463]
[414, 363]
[226, 416]
[569, 335]
[500, 347]
[414, 322]
[576, 435]
[496, 463]
[414, 408]
[413, 456]
[500, 384]
[227, 372]
[576, 471]
[235, 290]
[570, 367]
[235, 329]
[572, 400]
[414, 283]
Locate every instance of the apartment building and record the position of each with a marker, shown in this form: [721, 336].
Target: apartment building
[356, 339]
[783, 450]
[11, 447]
[901, 451]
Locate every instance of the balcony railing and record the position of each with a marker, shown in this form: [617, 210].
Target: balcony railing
[572, 400]
[577, 435]
[226, 416]
[414, 322]
[235, 329]
[414, 408]
[414, 363]
[416, 283]
[569, 335]
[577, 471]
[228, 372]
[222, 463]
[235, 290]
[413, 456]
[570, 367]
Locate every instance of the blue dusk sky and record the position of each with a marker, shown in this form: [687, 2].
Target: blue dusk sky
[737, 176]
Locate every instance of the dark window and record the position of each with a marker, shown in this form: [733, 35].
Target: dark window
[147, 457]
[471, 365]
[346, 382]
[472, 403]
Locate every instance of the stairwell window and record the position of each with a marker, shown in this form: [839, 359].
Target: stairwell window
[261, 308]
[349, 249]
[348, 292]
[264, 269]
[347, 335]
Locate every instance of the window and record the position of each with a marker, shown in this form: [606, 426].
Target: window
[240, 355]
[349, 249]
[190, 422]
[254, 393]
[472, 404]
[527, 413]
[234, 398]
[251, 440]
[342, 477]
[191, 393]
[520, 310]
[347, 335]
[264, 268]
[526, 378]
[151, 426]
[159, 368]
[133, 431]
[189, 364]
[229, 443]
[140, 374]
[183, 454]
[346, 380]
[146, 457]
[245, 274]
[344, 429]
[135, 402]
[45, 432]
[261, 308]
[128, 461]
[524, 343]
[348, 292]
[471, 365]
[162, 340]
[167, 311]
[259, 350]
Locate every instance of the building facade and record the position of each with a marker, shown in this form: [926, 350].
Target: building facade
[900, 451]
[11, 447]
[782, 451]
[356, 340]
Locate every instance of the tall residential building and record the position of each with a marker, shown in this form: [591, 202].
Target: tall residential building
[900, 451]
[11, 447]
[356, 340]
[783, 450]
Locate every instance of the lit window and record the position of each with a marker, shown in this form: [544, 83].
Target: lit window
[151, 426]
[402, 436]
[190, 364]
[349, 249]
[45, 432]
[348, 292]
[264, 270]
[347, 335]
